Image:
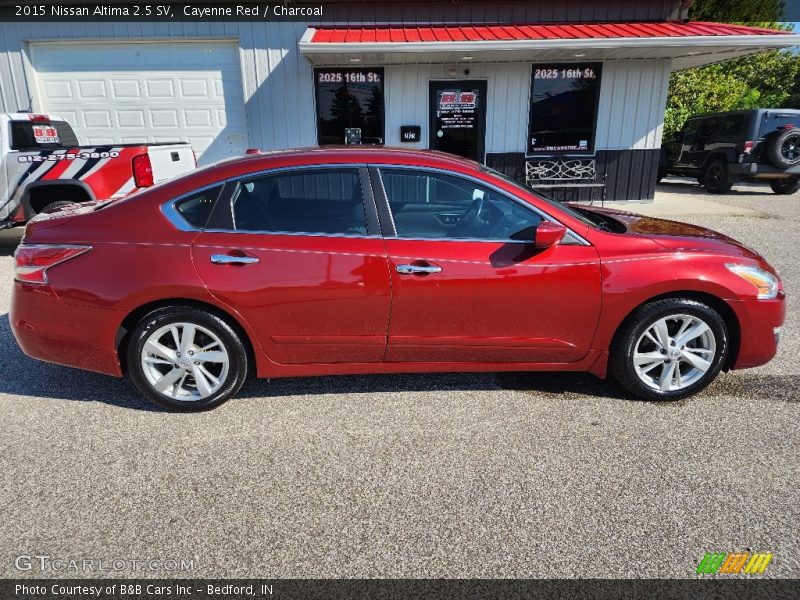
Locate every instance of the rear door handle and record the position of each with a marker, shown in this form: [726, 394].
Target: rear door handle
[227, 259]
[418, 269]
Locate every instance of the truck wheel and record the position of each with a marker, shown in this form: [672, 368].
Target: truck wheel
[661, 174]
[785, 187]
[716, 177]
[783, 151]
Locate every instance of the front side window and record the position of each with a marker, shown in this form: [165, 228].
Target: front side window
[563, 107]
[327, 201]
[349, 99]
[437, 206]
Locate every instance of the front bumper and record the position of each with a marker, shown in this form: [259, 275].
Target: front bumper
[760, 323]
[46, 328]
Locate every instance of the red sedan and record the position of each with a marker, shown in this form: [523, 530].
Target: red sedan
[350, 260]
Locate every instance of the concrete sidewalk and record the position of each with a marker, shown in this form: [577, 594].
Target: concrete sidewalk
[683, 197]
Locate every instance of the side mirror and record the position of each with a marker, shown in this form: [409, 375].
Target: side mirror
[549, 234]
[543, 235]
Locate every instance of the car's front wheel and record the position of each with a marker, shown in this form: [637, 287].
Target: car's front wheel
[186, 359]
[669, 349]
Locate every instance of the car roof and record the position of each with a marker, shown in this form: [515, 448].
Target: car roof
[745, 111]
[349, 154]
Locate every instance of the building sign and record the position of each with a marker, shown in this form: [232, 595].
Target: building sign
[457, 109]
[563, 108]
[349, 99]
[410, 133]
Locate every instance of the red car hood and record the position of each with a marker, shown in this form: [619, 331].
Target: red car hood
[679, 236]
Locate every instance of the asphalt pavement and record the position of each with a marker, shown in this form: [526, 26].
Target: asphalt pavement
[456, 475]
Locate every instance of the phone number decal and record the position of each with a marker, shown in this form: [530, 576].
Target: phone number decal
[68, 156]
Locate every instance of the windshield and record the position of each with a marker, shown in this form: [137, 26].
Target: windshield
[580, 216]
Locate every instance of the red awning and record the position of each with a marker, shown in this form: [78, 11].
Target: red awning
[684, 44]
[492, 33]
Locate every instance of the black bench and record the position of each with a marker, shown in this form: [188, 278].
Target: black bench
[564, 173]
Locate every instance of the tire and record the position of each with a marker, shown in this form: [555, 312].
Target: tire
[785, 187]
[660, 175]
[56, 206]
[783, 150]
[716, 178]
[190, 386]
[632, 338]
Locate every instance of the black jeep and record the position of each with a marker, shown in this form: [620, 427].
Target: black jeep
[753, 145]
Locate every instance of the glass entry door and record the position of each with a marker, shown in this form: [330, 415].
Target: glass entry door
[458, 118]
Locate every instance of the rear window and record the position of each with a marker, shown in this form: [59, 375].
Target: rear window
[771, 121]
[28, 135]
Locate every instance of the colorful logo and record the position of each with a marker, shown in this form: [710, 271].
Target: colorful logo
[734, 562]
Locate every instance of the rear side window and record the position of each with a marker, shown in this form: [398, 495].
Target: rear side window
[732, 127]
[707, 128]
[196, 209]
[771, 121]
[29, 135]
[325, 201]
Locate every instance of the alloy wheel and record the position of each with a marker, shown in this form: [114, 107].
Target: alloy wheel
[790, 149]
[185, 361]
[674, 352]
[715, 175]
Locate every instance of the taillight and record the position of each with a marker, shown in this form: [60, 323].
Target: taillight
[748, 147]
[142, 170]
[34, 118]
[31, 261]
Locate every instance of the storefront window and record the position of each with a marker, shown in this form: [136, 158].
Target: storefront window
[349, 99]
[563, 108]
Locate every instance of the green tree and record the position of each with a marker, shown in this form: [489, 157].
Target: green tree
[765, 80]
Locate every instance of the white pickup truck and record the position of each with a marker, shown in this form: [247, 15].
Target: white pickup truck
[42, 164]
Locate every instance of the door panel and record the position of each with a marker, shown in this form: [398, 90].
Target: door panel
[310, 299]
[297, 253]
[492, 301]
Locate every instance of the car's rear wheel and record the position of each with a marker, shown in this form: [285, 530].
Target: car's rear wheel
[186, 359]
[789, 185]
[669, 349]
[716, 178]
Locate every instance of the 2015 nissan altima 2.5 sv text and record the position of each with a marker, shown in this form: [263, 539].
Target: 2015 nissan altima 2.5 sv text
[354, 260]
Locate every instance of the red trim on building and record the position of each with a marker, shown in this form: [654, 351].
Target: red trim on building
[491, 33]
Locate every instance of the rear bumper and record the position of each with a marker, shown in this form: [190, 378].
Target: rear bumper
[75, 336]
[759, 322]
[758, 170]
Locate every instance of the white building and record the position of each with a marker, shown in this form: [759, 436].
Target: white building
[566, 90]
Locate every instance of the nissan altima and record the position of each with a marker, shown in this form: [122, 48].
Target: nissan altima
[354, 260]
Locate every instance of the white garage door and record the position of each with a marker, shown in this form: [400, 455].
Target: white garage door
[146, 92]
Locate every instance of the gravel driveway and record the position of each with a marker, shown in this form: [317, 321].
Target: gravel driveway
[515, 475]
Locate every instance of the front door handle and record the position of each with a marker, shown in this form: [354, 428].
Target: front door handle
[227, 259]
[425, 269]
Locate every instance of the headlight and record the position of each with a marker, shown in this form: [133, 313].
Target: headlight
[765, 281]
